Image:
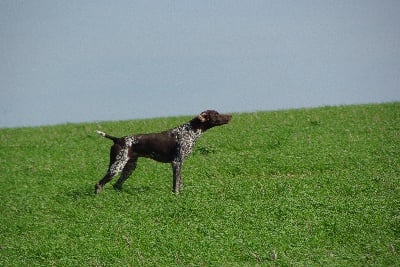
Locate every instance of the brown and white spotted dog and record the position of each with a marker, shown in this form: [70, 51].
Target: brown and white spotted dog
[172, 146]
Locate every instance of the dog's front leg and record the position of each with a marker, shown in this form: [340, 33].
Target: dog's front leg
[177, 179]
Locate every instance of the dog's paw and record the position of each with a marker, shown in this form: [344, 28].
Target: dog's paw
[97, 188]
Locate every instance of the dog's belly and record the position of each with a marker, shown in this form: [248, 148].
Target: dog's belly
[160, 147]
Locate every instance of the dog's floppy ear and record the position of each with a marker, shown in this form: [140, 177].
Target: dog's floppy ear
[202, 117]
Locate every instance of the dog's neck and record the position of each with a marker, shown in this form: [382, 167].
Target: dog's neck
[196, 124]
[190, 129]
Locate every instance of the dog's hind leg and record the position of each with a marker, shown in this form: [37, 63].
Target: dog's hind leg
[117, 164]
[108, 177]
[126, 172]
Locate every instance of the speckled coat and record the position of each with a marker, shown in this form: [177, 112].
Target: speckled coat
[172, 146]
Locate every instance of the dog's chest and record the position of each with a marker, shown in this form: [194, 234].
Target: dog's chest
[186, 138]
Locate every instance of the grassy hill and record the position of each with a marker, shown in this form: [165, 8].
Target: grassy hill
[299, 187]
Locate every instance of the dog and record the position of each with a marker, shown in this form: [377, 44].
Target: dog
[171, 146]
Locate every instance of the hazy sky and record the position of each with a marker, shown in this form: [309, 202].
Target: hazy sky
[79, 61]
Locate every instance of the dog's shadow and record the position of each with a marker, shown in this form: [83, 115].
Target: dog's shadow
[88, 192]
[79, 193]
[132, 190]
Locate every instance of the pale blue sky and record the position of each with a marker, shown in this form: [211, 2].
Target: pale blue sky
[82, 61]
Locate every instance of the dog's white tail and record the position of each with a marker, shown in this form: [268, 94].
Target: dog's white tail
[101, 133]
[115, 139]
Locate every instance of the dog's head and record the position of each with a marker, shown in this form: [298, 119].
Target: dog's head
[211, 118]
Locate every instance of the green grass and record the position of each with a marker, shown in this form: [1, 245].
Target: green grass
[305, 187]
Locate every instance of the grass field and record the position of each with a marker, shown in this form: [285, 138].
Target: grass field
[304, 187]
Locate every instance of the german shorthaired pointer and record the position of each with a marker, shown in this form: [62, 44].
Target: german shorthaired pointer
[172, 146]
